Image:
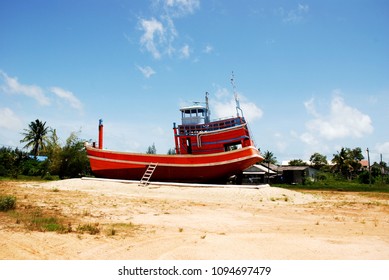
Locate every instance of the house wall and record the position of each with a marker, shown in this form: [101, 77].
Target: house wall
[298, 176]
[293, 176]
[253, 179]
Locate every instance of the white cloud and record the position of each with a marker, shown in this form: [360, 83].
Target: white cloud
[309, 139]
[12, 86]
[208, 49]
[280, 142]
[159, 33]
[154, 34]
[9, 120]
[224, 106]
[294, 15]
[147, 71]
[310, 107]
[68, 97]
[178, 8]
[303, 8]
[185, 51]
[342, 121]
[383, 148]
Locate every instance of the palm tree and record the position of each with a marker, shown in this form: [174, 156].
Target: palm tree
[269, 157]
[340, 162]
[35, 136]
[347, 162]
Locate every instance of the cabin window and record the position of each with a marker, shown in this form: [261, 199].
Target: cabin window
[189, 145]
[232, 146]
[193, 116]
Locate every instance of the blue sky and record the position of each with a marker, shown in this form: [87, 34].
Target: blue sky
[312, 76]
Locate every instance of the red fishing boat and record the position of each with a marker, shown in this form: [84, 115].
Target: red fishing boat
[205, 152]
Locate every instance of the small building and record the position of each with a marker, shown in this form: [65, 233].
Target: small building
[258, 174]
[297, 174]
[270, 173]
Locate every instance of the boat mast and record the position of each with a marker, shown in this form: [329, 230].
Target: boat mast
[207, 112]
[236, 96]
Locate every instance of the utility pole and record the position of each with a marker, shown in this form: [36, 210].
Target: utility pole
[368, 162]
[268, 172]
[382, 169]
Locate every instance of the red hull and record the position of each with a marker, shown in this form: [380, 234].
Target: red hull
[172, 168]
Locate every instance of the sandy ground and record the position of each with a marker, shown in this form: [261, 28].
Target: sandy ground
[185, 223]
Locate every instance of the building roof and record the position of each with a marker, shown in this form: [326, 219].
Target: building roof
[271, 166]
[186, 109]
[292, 167]
[258, 169]
[364, 163]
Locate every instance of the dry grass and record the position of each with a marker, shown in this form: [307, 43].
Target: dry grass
[54, 211]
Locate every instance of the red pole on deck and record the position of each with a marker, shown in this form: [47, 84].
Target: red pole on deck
[101, 134]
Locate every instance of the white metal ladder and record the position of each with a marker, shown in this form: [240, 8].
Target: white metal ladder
[148, 173]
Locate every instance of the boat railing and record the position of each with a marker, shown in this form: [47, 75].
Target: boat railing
[187, 129]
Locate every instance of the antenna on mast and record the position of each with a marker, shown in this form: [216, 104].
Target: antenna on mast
[207, 111]
[236, 96]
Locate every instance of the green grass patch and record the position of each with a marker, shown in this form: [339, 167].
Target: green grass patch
[27, 178]
[36, 220]
[47, 224]
[333, 185]
[7, 202]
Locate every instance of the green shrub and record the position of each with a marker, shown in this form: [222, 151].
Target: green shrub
[7, 202]
[365, 178]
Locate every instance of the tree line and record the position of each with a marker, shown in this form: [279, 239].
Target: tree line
[45, 156]
[345, 165]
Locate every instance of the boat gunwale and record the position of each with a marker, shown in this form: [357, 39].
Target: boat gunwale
[179, 165]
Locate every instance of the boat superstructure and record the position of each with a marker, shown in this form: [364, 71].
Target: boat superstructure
[198, 135]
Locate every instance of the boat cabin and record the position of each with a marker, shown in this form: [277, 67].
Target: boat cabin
[193, 115]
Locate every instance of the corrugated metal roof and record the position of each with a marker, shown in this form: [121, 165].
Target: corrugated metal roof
[291, 167]
[258, 169]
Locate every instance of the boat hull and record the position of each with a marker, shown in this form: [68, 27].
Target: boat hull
[216, 167]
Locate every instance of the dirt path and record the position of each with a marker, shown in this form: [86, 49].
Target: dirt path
[166, 222]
